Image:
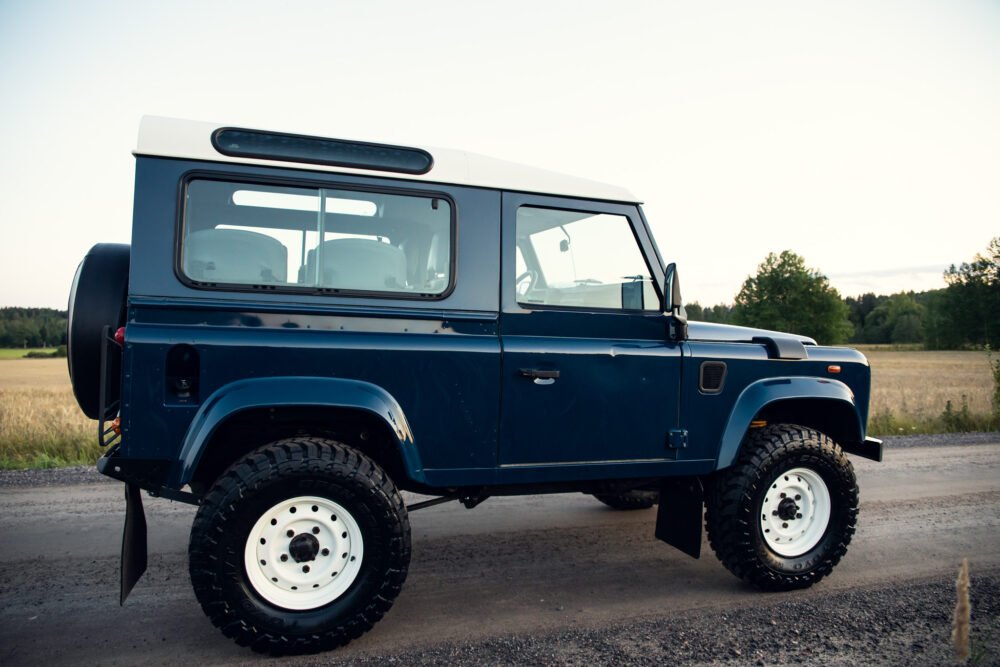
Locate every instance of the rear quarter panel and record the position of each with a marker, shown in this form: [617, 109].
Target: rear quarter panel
[440, 359]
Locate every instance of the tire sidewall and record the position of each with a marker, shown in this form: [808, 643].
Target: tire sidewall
[842, 509]
[98, 298]
[363, 505]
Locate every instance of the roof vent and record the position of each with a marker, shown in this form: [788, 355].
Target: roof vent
[317, 150]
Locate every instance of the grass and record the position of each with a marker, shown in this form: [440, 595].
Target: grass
[19, 353]
[912, 392]
[930, 392]
[40, 423]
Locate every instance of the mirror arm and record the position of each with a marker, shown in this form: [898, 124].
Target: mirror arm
[671, 294]
[678, 325]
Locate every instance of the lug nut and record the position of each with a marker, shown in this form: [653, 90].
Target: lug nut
[784, 525]
[798, 497]
[305, 568]
[315, 530]
[325, 552]
[798, 516]
[290, 533]
[284, 557]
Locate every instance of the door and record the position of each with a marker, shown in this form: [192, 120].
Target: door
[589, 375]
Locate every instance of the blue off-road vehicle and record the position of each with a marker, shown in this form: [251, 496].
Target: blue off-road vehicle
[303, 327]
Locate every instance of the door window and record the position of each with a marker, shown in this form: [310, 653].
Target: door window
[581, 259]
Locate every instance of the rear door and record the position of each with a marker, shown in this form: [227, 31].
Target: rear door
[589, 375]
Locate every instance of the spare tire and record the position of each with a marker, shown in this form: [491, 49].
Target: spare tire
[96, 300]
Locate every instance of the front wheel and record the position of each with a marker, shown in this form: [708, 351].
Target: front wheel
[782, 516]
[299, 547]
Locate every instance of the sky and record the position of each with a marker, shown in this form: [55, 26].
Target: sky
[864, 136]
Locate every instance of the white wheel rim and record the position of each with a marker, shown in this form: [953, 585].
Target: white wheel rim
[795, 512]
[324, 530]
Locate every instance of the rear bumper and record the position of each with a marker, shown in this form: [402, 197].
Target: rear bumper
[871, 448]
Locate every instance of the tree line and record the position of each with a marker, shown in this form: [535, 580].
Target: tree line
[32, 327]
[786, 295]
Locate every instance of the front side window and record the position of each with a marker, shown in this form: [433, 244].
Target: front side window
[581, 259]
[273, 238]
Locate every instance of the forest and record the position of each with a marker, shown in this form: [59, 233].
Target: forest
[785, 295]
[32, 327]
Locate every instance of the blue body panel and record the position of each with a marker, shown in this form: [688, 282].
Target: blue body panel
[422, 364]
[233, 398]
[762, 393]
[444, 374]
[717, 422]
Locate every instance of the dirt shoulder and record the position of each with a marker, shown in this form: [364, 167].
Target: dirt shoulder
[901, 623]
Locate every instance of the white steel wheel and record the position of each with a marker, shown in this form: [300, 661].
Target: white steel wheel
[795, 512]
[303, 553]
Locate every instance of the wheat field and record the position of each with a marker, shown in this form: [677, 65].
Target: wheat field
[915, 386]
[41, 425]
[40, 422]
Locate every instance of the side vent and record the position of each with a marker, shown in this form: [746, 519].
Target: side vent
[182, 375]
[712, 377]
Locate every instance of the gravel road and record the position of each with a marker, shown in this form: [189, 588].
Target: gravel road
[535, 580]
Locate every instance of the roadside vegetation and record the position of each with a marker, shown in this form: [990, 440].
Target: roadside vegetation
[917, 391]
[30, 352]
[41, 425]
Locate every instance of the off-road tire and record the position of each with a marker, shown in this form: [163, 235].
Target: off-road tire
[237, 503]
[629, 500]
[96, 299]
[735, 498]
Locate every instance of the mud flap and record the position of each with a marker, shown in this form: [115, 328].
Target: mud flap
[679, 517]
[133, 541]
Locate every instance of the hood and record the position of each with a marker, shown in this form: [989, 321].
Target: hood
[729, 333]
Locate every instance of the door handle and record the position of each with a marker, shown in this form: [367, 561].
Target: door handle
[539, 376]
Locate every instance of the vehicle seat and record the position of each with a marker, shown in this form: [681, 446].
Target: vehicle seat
[437, 264]
[235, 256]
[362, 264]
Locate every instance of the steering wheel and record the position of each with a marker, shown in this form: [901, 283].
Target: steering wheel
[524, 282]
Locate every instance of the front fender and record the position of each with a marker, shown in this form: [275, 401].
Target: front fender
[287, 392]
[762, 393]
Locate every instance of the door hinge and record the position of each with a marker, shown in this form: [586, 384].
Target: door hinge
[677, 438]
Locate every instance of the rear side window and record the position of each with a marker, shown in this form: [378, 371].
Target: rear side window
[327, 240]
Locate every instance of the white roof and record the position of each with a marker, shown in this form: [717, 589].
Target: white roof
[172, 137]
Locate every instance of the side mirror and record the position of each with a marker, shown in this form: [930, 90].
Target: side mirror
[672, 304]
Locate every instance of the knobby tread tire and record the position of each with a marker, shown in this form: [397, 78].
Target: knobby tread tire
[629, 500]
[733, 503]
[298, 466]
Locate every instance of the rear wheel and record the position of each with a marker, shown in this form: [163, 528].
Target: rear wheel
[782, 516]
[629, 500]
[300, 547]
